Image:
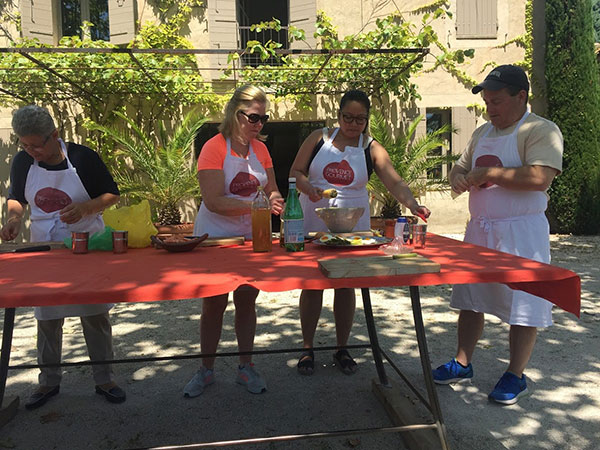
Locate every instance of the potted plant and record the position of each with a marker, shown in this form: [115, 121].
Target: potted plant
[157, 166]
[411, 158]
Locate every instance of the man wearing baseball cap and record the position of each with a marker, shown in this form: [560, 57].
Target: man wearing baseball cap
[507, 167]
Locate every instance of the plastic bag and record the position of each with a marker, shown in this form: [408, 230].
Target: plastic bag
[135, 219]
[100, 240]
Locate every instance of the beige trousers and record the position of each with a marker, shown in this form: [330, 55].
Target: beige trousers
[98, 337]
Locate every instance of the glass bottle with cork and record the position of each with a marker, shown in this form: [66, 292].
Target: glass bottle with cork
[293, 221]
[261, 222]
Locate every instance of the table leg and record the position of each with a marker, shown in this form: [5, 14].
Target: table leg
[434, 402]
[366, 297]
[8, 412]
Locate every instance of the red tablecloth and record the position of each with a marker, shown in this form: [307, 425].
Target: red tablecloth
[60, 277]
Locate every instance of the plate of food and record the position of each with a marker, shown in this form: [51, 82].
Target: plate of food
[349, 241]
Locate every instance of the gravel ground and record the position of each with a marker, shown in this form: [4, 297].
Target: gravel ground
[563, 411]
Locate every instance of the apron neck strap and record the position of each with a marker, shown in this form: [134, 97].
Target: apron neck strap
[63, 149]
[228, 150]
[334, 134]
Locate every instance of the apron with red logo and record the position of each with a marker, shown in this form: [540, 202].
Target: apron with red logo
[345, 171]
[47, 192]
[509, 221]
[242, 177]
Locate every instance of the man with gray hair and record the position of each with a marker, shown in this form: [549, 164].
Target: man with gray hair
[66, 186]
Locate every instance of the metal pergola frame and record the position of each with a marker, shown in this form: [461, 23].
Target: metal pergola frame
[29, 52]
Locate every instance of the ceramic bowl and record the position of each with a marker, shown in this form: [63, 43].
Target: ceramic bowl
[340, 220]
[181, 244]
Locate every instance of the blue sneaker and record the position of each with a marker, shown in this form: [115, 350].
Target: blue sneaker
[509, 388]
[452, 372]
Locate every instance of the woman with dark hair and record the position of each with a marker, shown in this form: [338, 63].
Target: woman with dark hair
[341, 158]
[231, 166]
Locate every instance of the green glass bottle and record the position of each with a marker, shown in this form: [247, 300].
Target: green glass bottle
[293, 221]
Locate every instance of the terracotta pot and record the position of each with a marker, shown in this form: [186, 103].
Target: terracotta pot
[386, 226]
[390, 224]
[378, 224]
[169, 230]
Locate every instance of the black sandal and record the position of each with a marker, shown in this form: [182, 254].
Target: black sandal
[344, 362]
[306, 363]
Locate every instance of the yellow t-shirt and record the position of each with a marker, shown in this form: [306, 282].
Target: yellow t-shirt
[539, 142]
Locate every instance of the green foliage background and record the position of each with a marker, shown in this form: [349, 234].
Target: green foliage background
[596, 19]
[150, 93]
[379, 74]
[573, 94]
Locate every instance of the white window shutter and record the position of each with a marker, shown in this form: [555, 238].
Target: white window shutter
[38, 20]
[121, 20]
[422, 126]
[222, 29]
[488, 20]
[466, 122]
[476, 19]
[303, 15]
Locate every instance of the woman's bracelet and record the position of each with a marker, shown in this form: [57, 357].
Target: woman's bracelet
[13, 219]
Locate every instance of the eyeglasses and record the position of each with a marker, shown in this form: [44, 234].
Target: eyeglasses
[360, 120]
[34, 147]
[253, 118]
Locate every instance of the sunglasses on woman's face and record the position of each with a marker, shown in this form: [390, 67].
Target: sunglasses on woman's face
[253, 118]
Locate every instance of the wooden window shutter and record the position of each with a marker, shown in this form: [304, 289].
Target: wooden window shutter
[466, 122]
[303, 15]
[422, 126]
[476, 19]
[222, 29]
[121, 20]
[39, 20]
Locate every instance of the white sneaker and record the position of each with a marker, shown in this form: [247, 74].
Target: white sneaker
[195, 387]
[248, 377]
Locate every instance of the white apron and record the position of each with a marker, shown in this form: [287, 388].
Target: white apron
[508, 221]
[345, 171]
[47, 192]
[242, 177]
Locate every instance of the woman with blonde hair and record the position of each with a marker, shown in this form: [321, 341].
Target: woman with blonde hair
[231, 166]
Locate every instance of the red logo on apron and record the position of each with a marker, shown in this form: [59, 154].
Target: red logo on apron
[340, 174]
[244, 184]
[488, 161]
[49, 199]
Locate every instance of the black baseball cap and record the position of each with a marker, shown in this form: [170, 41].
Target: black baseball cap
[503, 76]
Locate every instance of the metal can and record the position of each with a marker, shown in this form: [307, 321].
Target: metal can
[80, 242]
[119, 240]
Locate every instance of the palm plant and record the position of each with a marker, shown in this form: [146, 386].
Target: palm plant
[411, 159]
[158, 166]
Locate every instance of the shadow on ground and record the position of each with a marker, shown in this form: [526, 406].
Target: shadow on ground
[563, 373]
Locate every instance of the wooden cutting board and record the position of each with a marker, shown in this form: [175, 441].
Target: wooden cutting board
[11, 246]
[373, 266]
[211, 242]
